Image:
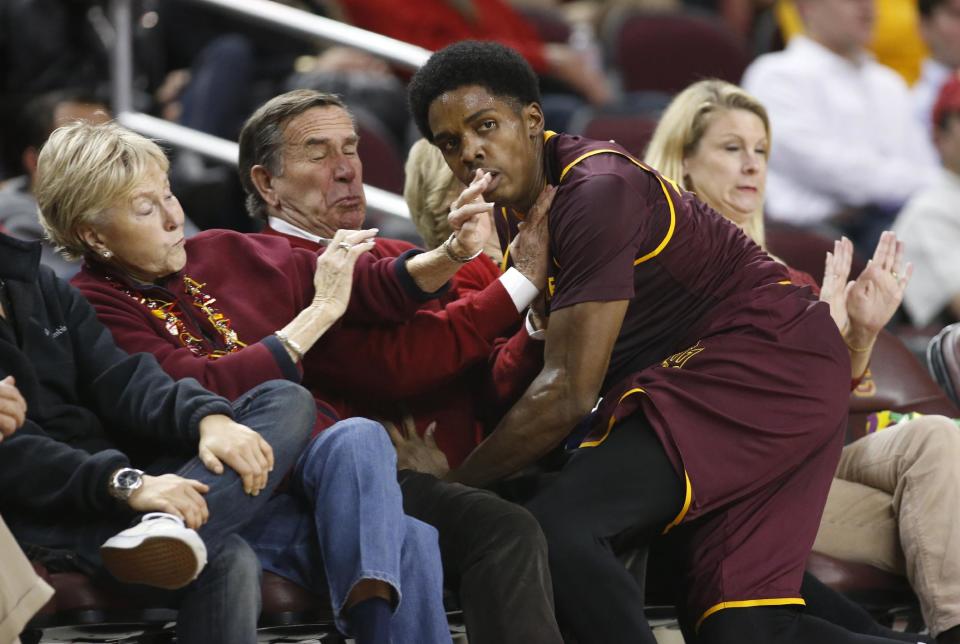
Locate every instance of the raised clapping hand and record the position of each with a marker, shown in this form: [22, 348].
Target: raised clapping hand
[835, 274]
[529, 248]
[875, 295]
[471, 217]
[333, 278]
[241, 448]
[13, 408]
[416, 453]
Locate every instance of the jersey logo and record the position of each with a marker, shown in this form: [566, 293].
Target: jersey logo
[677, 360]
[551, 285]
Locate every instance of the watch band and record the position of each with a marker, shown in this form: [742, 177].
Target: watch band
[125, 482]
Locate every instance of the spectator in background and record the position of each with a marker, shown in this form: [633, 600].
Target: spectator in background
[849, 152]
[940, 28]
[895, 39]
[41, 116]
[930, 223]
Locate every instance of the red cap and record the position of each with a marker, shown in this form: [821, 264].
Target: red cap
[949, 99]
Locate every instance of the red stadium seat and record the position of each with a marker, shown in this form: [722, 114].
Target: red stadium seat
[803, 249]
[943, 358]
[666, 51]
[630, 130]
[89, 611]
[382, 163]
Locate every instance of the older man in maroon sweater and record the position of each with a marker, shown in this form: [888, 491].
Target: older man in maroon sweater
[300, 169]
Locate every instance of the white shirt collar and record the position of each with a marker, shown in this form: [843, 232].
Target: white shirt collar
[285, 227]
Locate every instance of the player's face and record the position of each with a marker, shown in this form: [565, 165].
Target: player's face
[475, 129]
[728, 168]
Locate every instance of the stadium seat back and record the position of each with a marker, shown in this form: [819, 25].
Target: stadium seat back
[652, 50]
[943, 359]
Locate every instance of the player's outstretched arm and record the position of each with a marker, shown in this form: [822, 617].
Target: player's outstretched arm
[577, 352]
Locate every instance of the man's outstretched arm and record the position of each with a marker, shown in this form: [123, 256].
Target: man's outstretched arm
[579, 341]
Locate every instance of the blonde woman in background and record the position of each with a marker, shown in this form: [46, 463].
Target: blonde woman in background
[714, 139]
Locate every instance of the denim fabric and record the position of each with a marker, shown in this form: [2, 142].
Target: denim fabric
[356, 530]
[223, 605]
[226, 596]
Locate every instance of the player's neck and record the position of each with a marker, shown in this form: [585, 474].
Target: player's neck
[537, 185]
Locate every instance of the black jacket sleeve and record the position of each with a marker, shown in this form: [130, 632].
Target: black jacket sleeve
[59, 478]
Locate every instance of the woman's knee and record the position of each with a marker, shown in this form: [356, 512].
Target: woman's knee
[933, 438]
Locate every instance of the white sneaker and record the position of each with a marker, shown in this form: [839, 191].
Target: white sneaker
[159, 551]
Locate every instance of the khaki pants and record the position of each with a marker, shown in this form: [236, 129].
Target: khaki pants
[22, 592]
[895, 504]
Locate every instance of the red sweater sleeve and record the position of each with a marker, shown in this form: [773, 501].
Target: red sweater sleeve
[514, 363]
[405, 360]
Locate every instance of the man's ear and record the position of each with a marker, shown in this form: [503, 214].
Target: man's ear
[533, 120]
[263, 181]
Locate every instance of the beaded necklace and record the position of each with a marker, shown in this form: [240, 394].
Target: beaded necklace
[172, 318]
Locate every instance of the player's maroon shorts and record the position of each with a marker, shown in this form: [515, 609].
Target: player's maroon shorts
[752, 414]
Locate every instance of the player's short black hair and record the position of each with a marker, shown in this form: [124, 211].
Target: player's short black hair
[499, 69]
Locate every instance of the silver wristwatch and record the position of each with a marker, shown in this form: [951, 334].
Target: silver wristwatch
[125, 482]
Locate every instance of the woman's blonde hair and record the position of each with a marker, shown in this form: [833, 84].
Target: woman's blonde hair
[682, 127]
[427, 186]
[83, 170]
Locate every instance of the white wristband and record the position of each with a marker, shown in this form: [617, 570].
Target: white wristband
[521, 290]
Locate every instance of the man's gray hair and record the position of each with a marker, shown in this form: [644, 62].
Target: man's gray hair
[262, 137]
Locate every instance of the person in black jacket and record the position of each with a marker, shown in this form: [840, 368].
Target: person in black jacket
[92, 413]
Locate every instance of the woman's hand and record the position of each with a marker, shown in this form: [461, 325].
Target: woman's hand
[471, 217]
[416, 453]
[836, 272]
[333, 279]
[13, 408]
[244, 450]
[529, 248]
[174, 495]
[875, 295]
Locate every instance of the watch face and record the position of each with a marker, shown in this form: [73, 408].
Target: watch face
[127, 479]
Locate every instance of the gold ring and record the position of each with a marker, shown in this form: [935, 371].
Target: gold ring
[894, 273]
[344, 246]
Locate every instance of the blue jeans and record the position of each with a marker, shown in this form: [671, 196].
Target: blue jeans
[343, 522]
[223, 604]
